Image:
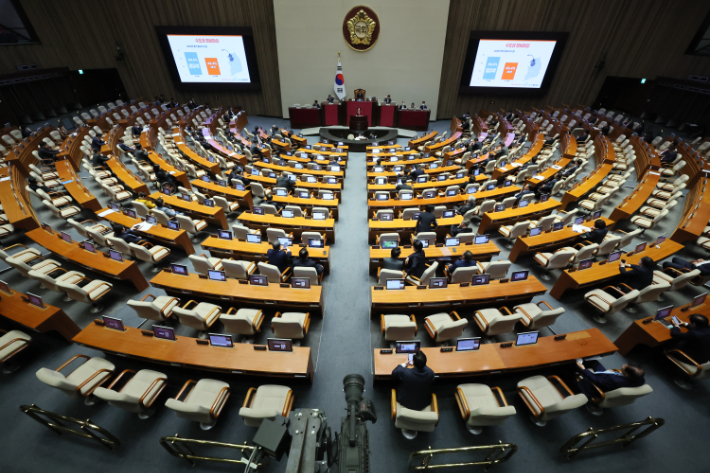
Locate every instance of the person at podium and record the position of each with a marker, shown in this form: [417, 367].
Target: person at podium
[422, 106]
[330, 99]
[388, 100]
[358, 113]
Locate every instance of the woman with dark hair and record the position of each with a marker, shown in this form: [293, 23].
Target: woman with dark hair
[597, 235]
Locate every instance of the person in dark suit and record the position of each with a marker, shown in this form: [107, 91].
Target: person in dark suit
[388, 100]
[32, 182]
[418, 171]
[605, 130]
[125, 147]
[460, 228]
[583, 138]
[303, 260]
[680, 264]
[592, 372]
[360, 95]
[45, 153]
[669, 155]
[415, 263]
[192, 104]
[466, 261]
[597, 235]
[414, 385]
[278, 257]
[406, 185]
[569, 170]
[136, 131]
[525, 190]
[640, 276]
[97, 143]
[25, 131]
[403, 106]
[500, 151]
[426, 221]
[119, 231]
[469, 205]
[140, 153]
[422, 106]
[549, 140]
[284, 181]
[330, 99]
[98, 160]
[394, 262]
[474, 145]
[546, 188]
[160, 205]
[696, 341]
[316, 104]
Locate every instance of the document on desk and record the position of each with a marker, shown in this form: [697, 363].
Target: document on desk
[517, 165]
[539, 177]
[580, 229]
[143, 227]
[106, 212]
[555, 166]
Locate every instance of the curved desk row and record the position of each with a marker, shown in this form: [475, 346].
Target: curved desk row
[493, 220]
[244, 198]
[405, 228]
[441, 254]
[15, 307]
[480, 196]
[296, 225]
[214, 215]
[78, 191]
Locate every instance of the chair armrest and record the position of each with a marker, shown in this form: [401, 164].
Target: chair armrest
[483, 329]
[394, 403]
[684, 355]
[454, 315]
[184, 388]
[70, 360]
[98, 287]
[118, 378]
[142, 399]
[435, 407]
[619, 291]
[532, 396]
[216, 309]
[285, 274]
[231, 310]
[626, 286]
[219, 403]
[188, 304]
[288, 405]
[147, 296]
[307, 322]
[502, 401]
[507, 310]
[91, 378]
[561, 383]
[430, 328]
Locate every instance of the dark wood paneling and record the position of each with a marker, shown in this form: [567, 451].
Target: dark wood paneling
[635, 38]
[83, 34]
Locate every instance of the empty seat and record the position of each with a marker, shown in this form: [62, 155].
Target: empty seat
[191, 226]
[203, 263]
[238, 269]
[293, 325]
[560, 259]
[412, 422]
[608, 303]
[494, 321]
[691, 370]
[200, 317]
[266, 402]
[272, 273]
[480, 407]
[443, 327]
[242, 321]
[533, 316]
[398, 327]
[83, 380]
[12, 343]
[203, 403]
[545, 400]
[387, 237]
[138, 394]
[90, 293]
[159, 308]
[676, 279]
[150, 253]
[496, 269]
[428, 273]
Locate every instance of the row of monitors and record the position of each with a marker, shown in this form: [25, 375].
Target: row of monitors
[304, 194]
[447, 164]
[453, 193]
[466, 344]
[254, 279]
[381, 181]
[285, 213]
[215, 339]
[478, 240]
[86, 244]
[442, 283]
[333, 167]
[294, 178]
[664, 312]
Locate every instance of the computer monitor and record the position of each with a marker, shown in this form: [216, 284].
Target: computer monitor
[386, 217]
[481, 279]
[252, 238]
[586, 264]
[468, 344]
[415, 215]
[258, 280]
[166, 190]
[448, 214]
[698, 300]
[291, 177]
[663, 312]
[429, 194]
[114, 207]
[318, 215]
[596, 215]
[301, 283]
[383, 196]
[281, 193]
[441, 177]
[507, 183]
[206, 178]
[500, 207]
[328, 196]
[389, 244]
[214, 275]
[185, 197]
[523, 203]
[224, 234]
[640, 248]
[408, 346]
[482, 239]
[614, 256]
[173, 225]
[425, 243]
[304, 195]
[280, 344]
[519, 276]
[255, 172]
[285, 241]
[557, 226]
[660, 239]
[220, 340]
[179, 269]
[438, 283]
[451, 192]
[544, 198]
[311, 180]
[239, 187]
[288, 213]
[490, 187]
[258, 211]
[36, 300]
[535, 231]
[66, 237]
[151, 220]
[395, 284]
[378, 169]
[115, 255]
[422, 179]
[222, 182]
[433, 166]
[113, 323]
[476, 172]
[471, 190]
[579, 220]
[162, 332]
[526, 338]
[315, 243]
[453, 242]
[298, 166]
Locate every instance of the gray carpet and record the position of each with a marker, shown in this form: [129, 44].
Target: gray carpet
[343, 342]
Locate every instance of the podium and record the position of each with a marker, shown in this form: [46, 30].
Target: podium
[358, 123]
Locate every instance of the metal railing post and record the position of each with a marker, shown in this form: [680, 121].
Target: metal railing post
[570, 450]
[179, 447]
[496, 454]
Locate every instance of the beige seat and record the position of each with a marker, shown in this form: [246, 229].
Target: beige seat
[272, 273]
[200, 317]
[64, 212]
[266, 402]
[49, 279]
[384, 274]
[203, 403]
[412, 422]
[293, 325]
[273, 234]
[616, 398]
[310, 273]
[242, 321]
[90, 293]
[558, 260]
[387, 237]
[609, 244]
[82, 381]
[138, 394]
[691, 369]
[443, 327]
[533, 316]
[191, 226]
[150, 253]
[582, 252]
[398, 327]
[678, 280]
[480, 407]
[12, 343]
[496, 269]
[159, 308]
[464, 274]
[428, 273]
[545, 400]
[241, 232]
[607, 303]
[494, 322]
[512, 232]
[203, 263]
[429, 237]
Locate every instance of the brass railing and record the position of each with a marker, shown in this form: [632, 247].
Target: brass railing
[88, 430]
[496, 454]
[570, 450]
[178, 447]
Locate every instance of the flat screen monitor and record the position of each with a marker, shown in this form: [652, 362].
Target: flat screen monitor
[222, 182]
[472, 190]
[252, 238]
[408, 346]
[512, 63]
[468, 344]
[258, 280]
[526, 338]
[224, 234]
[216, 275]
[206, 178]
[660, 239]
[291, 177]
[317, 215]
[557, 226]
[114, 207]
[301, 283]
[113, 323]
[328, 196]
[640, 247]
[535, 231]
[36, 300]
[663, 312]
[166, 190]
[429, 194]
[304, 195]
[596, 215]
[187, 197]
[433, 166]
[481, 279]
[451, 192]
[415, 215]
[383, 196]
[131, 213]
[476, 171]
[220, 340]
[258, 211]
[421, 179]
[448, 214]
[179, 269]
[507, 183]
[519, 276]
[174, 226]
[66, 237]
[544, 198]
[164, 333]
[482, 239]
[315, 243]
[203, 58]
[698, 301]
[151, 220]
[378, 169]
[386, 217]
[389, 244]
[395, 284]
[239, 187]
[523, 203]
[381, 181]
[280, 344]
[586, 264]
[115, 255]
[281, 192]
[438, 283]
[614, 256]
[490, 187]
[453, 242]
[285, 241]
[579, 220]
[5, 287]
[89, 246]
[425, 243]
[500, 207]
[335, 167]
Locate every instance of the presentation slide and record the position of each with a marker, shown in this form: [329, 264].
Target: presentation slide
[209, 59]
[511, 63]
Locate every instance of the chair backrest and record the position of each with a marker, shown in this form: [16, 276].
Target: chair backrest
[623, 301]
[386, 274]
[304, 272]
[297, 211]
[608, 245]
[237, 269]
[389, 237]
[408, 213]
[269, 209]
[273, 234]
[569, 216]
[428, 236]
[272, 273]
[200, 264]
[624, 396]
[381, 212]
[585, 253]
[463, 274]
[546, 222]
[287, 328]
[652, 292]
[560, 259]
[146, 310]
[399, 327]
[547, 318]
[119, 244]
[486, 206]
[141, 209]
[240, 232]
[498, 269]
[519, 229]
[306, 236]
[429, 273]
[451, 329]
[186, 223]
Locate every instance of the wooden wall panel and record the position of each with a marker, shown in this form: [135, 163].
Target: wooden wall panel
[635, 38]
[82, 34]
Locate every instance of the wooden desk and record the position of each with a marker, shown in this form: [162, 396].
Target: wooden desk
[14, 308]
[232, 292]
[96, 262]
[321, 161]
[299, 141]
[212, 168]
[492, 359]
[316, 186]
[547, 242]
[441, 254]
[184, 352]
[440, 145]
[429, 171]
[130, 180]
[420, 141]
[181, 176]
[296, 225]
[244, 198]
[454, 296]
[405, 228]
[331, 205]
[224, 152]
[492, 220]
[343, 155]
[76, 188]
[633, 202]
[586, 186]
[313, 172]
[508, 169]
[156, 233]
[419, 186]
[16, 202]
[214, 215]
[599, 273]
[696, 213]
[397, 204]
[256, 252]
[548, 173]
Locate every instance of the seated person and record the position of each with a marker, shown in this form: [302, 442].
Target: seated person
[270, 201]
[426, 221]
[98, 160]
[63, 132]
[32, 182]
[163, 176]
[465, 261]
[136, 131]
[640, 276]
[145, 201]
[597, 235]
[119, 231]
[469, 205]
[403, 106]
[416, 172]
[524, 191]
[406, 185]
[415, 264]
[330, 99]
[140, 153]
[460, 228]
[474, 145]
[388, 100]
[97, 142]
[582, 138]
[303, 260]
[413, 107]
[422, 106]
[316, 104]
[681, 264]
[160, 205]
[546, 188]
[592, 372]
[45, 153]
[696, 341]
[414, 385]
[549, 140]
[500, 151]
[278, 257]
[569, 170]
[669, 155]
[122, 144]
[394, 262]
[284, 181]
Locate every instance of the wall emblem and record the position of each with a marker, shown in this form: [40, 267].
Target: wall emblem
[361, 28]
